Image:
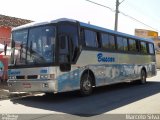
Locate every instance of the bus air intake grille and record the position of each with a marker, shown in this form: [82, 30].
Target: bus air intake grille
[20, 77]
[32, 76]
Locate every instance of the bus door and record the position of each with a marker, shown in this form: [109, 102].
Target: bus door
[64, 49]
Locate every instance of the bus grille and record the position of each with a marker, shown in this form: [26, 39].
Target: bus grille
[32, 76]
[27, 77]
[20, 77]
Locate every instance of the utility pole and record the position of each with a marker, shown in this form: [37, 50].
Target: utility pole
[116, 15]
[116, 11]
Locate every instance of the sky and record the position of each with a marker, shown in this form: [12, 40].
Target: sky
[146, 11]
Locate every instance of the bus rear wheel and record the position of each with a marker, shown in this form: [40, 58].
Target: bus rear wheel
[143, 77]
[86, 85]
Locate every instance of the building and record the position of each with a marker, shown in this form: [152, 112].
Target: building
[6, 25]
[153, 35]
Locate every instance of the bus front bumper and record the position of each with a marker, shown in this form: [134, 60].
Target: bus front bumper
[32, 86]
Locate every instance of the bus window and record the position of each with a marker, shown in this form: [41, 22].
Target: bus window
[112, 41]
[143, 47]
[151, 48]
[108, 41]
[20, 43]
[41, 50]
[132, 45]
[125, 43]
[122, 44]
[91, 39]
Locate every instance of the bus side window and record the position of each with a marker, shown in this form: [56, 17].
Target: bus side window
[133, 45]
[125, 44]
[90, 39]
[143, 47]
[112, 41]
[151, 48]
[122, 43]
[108, 41]
[105, 41]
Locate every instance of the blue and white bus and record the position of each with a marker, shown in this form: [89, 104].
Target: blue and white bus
[65, 55]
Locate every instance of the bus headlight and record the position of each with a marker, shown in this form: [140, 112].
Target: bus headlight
[43, 76]
[12, 77]
[49, 76]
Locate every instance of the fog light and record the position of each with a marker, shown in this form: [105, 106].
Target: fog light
[45, 85]
[9, 84]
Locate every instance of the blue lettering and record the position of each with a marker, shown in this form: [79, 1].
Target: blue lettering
[13, 72]
[43, 71]
[101, 58]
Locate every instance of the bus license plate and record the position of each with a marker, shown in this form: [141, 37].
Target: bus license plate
[26, 85]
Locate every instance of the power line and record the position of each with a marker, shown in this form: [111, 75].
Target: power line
[141, 11]
[123, 14]
[121, 1]
[138, 21]
[101, 5]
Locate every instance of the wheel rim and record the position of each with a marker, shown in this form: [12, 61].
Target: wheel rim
[86, 85]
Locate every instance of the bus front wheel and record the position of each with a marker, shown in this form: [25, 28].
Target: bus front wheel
[86, 85]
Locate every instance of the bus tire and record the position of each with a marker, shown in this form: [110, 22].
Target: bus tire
[86, 85]
[143, 76]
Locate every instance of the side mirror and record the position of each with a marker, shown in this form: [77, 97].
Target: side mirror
[65, 67]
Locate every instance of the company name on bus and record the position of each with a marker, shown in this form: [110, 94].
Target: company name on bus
[102, 58]
[13, 72]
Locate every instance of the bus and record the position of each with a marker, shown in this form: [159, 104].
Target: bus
[65, 55]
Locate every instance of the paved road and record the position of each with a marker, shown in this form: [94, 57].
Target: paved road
[122, 98]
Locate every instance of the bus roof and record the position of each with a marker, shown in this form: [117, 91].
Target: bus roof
[33, 24]
[83, 25]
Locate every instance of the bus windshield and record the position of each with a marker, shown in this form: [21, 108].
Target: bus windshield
[33, 46]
